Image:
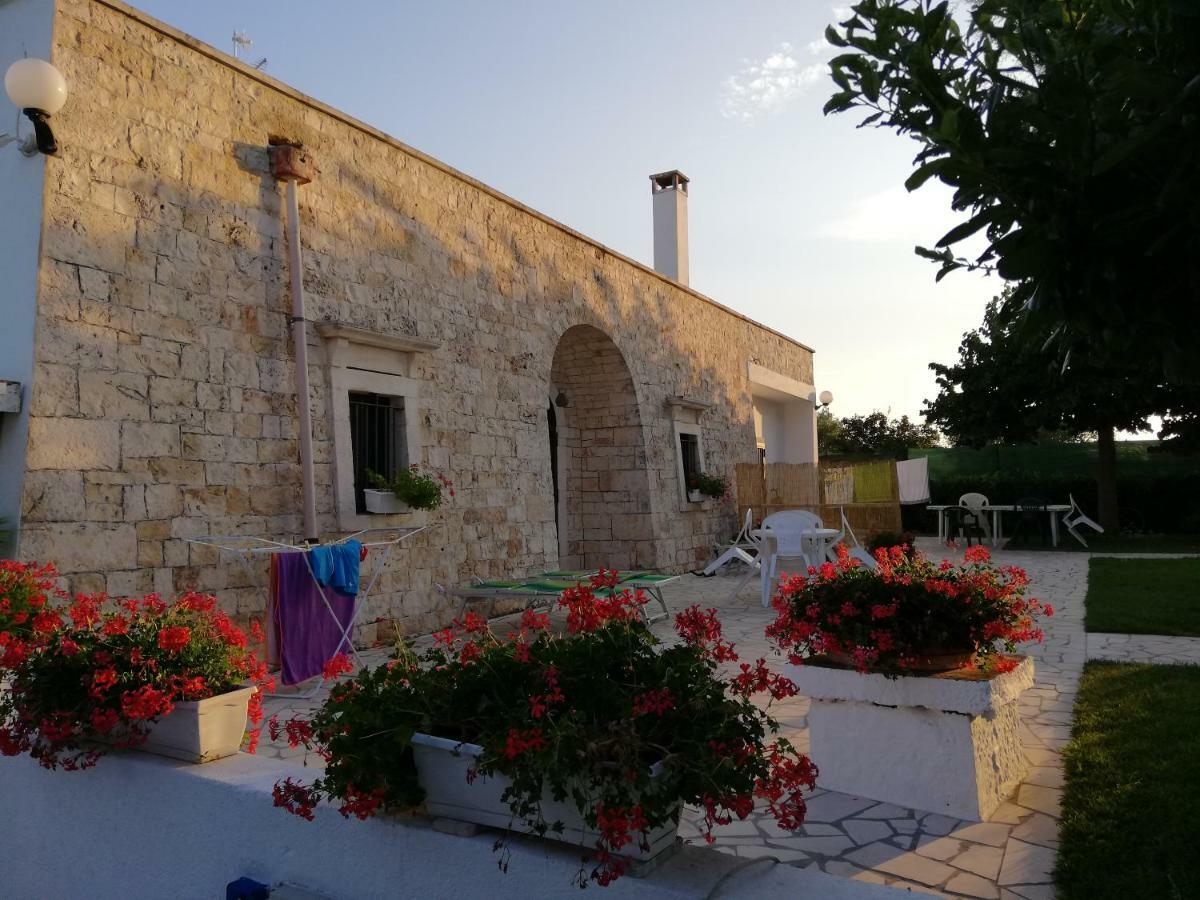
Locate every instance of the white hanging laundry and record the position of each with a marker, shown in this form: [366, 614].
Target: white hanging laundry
[913, 476]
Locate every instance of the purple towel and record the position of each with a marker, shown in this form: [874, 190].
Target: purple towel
[308, 635]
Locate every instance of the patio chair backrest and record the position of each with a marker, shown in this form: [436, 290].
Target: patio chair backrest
[787, 526]
[975, 502]
[747, 526]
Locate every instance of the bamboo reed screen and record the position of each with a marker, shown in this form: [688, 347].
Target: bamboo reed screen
[868, 493]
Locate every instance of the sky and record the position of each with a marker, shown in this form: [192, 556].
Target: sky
[797, 220]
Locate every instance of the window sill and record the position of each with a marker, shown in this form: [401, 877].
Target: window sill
[363, 521]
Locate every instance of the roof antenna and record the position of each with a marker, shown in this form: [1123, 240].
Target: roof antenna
[241, 41]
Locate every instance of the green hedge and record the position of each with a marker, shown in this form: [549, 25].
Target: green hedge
[1161, 502]
[1133, 457]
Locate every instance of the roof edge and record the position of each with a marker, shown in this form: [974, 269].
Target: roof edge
[275, 84]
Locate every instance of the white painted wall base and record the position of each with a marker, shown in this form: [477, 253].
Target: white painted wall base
[931, 743]
[139, 826]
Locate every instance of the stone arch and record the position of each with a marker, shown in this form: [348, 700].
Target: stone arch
[604, 511]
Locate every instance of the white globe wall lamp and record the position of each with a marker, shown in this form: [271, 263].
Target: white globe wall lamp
[39, 90]
[825, 398]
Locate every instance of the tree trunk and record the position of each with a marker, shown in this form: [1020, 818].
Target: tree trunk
[1106, 478]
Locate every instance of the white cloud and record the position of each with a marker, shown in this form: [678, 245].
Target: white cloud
[895, 215]
[768, 85]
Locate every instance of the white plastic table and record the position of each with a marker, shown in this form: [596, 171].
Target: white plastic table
[815, 544]
[1054, 510]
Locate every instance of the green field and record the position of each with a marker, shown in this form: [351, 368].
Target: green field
[1144, 596]
[1132, 785]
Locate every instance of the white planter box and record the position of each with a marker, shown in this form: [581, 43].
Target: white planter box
[384, 502]
[201, 730]
[442, 769]
[945, 743]
[695, 497]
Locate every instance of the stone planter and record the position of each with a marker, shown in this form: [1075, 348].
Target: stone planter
[200, 731]
[442, 769]
[946, 743]
[384, 502]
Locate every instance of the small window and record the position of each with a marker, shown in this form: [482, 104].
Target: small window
[377, 439]
[689, 452]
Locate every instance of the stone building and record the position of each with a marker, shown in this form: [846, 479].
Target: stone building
[562, 387]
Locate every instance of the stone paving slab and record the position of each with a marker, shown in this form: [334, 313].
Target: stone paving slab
[1158, 649]
[1009, 857]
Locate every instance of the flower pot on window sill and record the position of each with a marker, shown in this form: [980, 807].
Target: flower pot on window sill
[200, 731]
[442, 766]
[384, 503]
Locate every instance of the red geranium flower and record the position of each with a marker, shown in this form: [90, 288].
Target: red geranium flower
[174, 638]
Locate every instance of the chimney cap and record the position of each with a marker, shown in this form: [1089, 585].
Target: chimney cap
[669, 181]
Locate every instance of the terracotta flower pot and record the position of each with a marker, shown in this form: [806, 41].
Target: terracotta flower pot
[936, 660]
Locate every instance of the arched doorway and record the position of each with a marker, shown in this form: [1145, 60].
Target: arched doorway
[599, 474]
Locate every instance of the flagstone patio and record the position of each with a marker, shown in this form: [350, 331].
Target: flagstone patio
[1010, 856]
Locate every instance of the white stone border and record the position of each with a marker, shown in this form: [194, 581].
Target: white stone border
[139, 826]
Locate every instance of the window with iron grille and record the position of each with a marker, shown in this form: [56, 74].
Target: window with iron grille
[377, 438]
[689, 449]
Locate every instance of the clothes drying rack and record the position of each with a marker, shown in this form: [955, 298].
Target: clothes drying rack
[243, 548]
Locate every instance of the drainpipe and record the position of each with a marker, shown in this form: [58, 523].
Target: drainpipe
[290, 164]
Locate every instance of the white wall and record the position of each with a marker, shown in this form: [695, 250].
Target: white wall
[788, 429]
[25, 30]
[138, 826]
[768, 427]
[785, 415]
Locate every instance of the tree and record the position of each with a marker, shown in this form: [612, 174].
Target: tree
[1009, 386]
[829, 430]
[1069, 131]
[873, 435]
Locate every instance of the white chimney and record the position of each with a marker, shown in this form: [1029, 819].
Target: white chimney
[670, 193]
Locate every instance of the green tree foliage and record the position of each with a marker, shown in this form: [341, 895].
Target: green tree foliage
[1069, 131]
[1009, 386]
[872, 435]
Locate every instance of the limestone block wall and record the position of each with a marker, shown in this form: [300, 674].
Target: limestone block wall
[162, 401]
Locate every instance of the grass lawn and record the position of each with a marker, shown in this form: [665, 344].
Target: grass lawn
[1132, 785]
[1099, 543]
[1144, 596]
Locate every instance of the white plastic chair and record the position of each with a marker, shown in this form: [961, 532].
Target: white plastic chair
[975, 504]
[1075, 517]
[737, 550]
[857, 550]
[787, 527]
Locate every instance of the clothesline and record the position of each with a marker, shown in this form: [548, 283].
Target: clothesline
[244, 546]
[266, 545]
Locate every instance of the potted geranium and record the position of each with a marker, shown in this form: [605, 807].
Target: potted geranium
[908, 614]
[408, 489]
[26, 590]
[596, 736]
[913, 655]
[703, 485]
[177, 679]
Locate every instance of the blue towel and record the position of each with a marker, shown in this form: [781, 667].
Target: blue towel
[336, 566]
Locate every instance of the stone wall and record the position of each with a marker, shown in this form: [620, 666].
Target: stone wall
[163, 404]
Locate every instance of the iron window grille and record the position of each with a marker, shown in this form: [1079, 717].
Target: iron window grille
[689, 450]
[377, 439]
